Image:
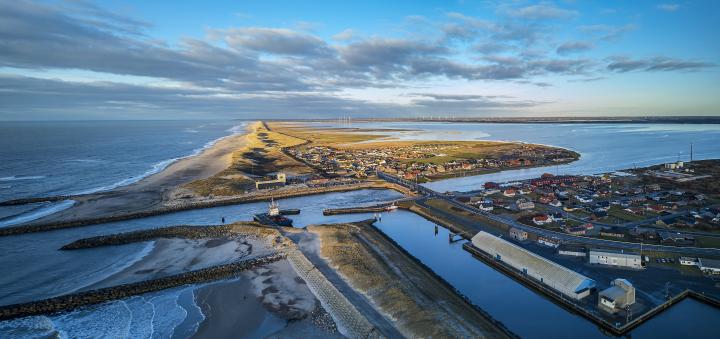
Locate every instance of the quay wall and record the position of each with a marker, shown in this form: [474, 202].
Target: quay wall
[370, 226]
[72, 301]
[568, 304]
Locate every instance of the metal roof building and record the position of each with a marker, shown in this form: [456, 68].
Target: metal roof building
[560, 278]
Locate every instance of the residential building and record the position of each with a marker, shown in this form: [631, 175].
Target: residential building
[542, 219]
[524, 204]
[518, 234]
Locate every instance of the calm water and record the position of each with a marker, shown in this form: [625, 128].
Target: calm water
[603, 147]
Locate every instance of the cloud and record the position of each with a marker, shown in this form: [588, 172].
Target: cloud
[541, 11]
[574, 47]
[274, 40]
[607, 32]
[656, 64]
[247, 69]
[345, 35]
[668, 7]
[470, 103]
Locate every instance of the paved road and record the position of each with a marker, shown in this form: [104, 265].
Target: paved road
[547, 233]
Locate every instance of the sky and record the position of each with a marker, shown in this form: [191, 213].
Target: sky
[133, 59]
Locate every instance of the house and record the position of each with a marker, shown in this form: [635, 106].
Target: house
[486, 206]
[584, 199]
[510, 192]
[542, 219]
[618, 296]
[676, 238]
[614, 258]
[709, 266]
[574, 251]
[688, 261]
[491, 185]
[555, 203]
[549, 242]
[524, 204]
[518, 234]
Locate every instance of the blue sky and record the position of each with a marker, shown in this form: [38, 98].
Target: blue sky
[294, 59]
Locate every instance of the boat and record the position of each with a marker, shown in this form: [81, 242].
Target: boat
[273, 216]
[391, 207]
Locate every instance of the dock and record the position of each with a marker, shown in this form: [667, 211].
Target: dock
[351, 210]
[568, 304]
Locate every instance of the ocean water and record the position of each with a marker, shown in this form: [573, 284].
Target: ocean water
[62, 158]
[56, 158]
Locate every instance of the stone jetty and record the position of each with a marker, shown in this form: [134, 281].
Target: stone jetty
[72, 301]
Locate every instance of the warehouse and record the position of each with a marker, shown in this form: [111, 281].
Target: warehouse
[561, 279]
[612, 258]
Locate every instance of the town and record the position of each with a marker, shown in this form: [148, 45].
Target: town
[424, 161]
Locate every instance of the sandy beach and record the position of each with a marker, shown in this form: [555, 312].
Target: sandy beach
[171, 256]
[153, 191]
[270, 301]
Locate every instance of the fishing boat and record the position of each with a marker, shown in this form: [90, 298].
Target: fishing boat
[273, 216]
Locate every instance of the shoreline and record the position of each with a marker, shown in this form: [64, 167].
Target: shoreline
[151, 191]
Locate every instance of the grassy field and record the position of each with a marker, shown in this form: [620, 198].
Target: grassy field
[261, 156]
[322, 136]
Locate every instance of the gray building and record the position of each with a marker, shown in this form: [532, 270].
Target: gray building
[617, 297]
[613, 258]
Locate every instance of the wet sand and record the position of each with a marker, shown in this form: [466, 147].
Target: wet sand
[269, 301]
[176, 255]
[153, 191]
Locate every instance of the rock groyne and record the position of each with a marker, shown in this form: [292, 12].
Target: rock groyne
[72, 301]
[349, 320]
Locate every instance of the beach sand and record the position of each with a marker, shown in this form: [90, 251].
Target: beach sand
[151, 192]
[270, 301]
[177, 255]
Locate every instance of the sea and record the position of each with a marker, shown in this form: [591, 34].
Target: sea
[32, 268]
[40, 159]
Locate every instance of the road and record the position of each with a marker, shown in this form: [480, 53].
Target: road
[547, 233]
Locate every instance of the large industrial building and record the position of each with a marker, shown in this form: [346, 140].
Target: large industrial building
[612, 258]
[617, 297]
[562, 279]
